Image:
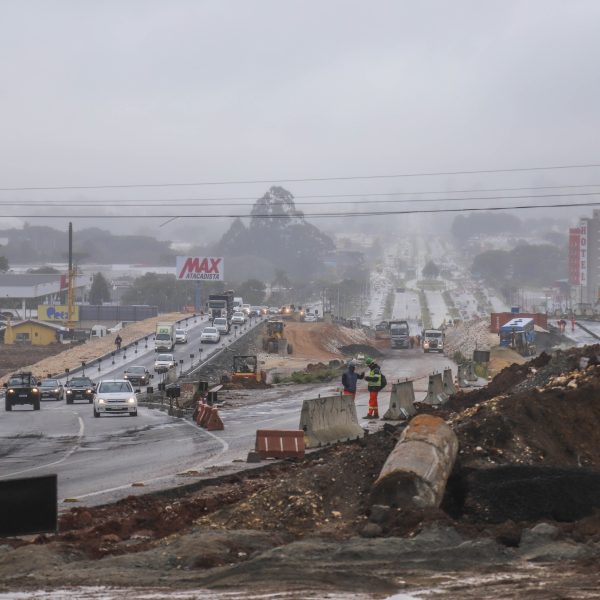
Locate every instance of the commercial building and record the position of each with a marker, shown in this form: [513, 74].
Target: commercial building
[584, 260]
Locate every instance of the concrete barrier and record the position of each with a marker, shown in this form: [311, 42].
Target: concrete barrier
[470, 375]
[462, 376]
[328, 420]
[448, 381]
[435, 390]
[401, 402]
[417, 470]
[279, 443]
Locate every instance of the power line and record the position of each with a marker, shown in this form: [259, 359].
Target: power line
[317, 215]
[189, 202]
[301, 179]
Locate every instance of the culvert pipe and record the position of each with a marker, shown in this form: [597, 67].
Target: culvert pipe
[417, 470]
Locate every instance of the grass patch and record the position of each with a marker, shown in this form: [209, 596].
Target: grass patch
[431, 284]
[425, 314]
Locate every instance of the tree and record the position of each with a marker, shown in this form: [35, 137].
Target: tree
[100, 291]
[252, 291]
[281, 280]
[493, 265]
[431, 270]
[3, 264]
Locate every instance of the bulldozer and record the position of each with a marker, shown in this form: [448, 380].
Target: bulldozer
[245, 370]
[274, 342]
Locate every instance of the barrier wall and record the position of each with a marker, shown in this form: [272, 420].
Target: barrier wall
[402, 401]
[448, 381]
[435, 390]
[328, 420]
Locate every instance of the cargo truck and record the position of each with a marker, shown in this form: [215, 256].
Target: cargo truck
[399, 334]
[164, 340]
[220, 305]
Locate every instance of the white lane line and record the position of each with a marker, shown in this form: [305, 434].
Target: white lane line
[60, 460]
[225, 448]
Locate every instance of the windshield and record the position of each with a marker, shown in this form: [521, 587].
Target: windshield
[81, 382]
[209, 330]
[165, 357]
[114, 387]
[50, 383]
[136, 370]
[163, 336]
[19, 380]
[220, 321]
[180, 331]
[433, 334]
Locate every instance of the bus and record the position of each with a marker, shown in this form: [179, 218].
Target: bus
[519, 334]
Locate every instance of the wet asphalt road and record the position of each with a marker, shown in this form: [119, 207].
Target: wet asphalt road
[101, 460]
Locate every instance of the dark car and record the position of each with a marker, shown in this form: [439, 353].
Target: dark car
[51, 388]
[137, 375]
[79, 388]
[22, 388]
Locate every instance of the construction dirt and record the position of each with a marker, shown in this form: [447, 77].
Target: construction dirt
[524, 495]
[12, 358]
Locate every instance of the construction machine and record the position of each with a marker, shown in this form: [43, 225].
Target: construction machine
[274, 341]
[245, 370]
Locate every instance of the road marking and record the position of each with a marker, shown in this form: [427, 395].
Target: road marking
[60, 460]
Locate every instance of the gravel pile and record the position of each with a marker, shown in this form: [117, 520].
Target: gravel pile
[469, 336]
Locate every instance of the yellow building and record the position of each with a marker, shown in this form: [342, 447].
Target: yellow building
[37, 333]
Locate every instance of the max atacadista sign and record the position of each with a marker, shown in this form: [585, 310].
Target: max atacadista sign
[199, 268]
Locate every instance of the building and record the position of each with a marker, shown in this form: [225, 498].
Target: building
[584, 260]
[36, 333]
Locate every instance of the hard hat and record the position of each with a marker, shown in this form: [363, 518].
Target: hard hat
[369, 361]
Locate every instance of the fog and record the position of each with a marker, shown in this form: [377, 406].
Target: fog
[143, 92]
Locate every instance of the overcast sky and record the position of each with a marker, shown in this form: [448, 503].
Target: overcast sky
[123, 91]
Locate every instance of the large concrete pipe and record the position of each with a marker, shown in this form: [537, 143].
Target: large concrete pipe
[416, 471]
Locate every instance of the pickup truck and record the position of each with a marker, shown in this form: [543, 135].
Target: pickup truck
[22, 388]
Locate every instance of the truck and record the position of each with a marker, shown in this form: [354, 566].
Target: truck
[238, 302]
[22, 388]
[399, 334]
[220, 305]
[164, 339]
[519, 334]
[433, 340]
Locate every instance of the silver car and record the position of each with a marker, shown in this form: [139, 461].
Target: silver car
[239, 318]
[163, 363]
[210, 334]
[221, 324]
[115, 396]
[181, 336]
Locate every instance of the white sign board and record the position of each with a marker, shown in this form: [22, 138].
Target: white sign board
[583, 252]
[199, 268]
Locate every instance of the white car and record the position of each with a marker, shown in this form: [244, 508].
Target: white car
[238, 318]
[115, 396]
[310, 317]
[221, 324]
[210, 334]
[164, 362]
[181, 336]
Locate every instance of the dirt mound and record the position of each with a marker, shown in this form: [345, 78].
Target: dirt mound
[13, 357]
[322, 341]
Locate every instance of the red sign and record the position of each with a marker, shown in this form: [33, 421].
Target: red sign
[574, 256]
[199, 268]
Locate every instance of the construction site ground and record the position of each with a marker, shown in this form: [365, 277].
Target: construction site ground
[520, 515]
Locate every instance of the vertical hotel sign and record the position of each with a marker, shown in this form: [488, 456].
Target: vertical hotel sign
[583, 252]
[574, 256]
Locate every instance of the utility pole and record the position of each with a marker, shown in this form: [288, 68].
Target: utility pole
[71, 282]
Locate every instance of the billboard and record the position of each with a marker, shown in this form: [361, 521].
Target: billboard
[199, 268]
[56, 312]
[574, 250]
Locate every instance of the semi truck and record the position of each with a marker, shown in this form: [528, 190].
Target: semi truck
[399, 334]
[220, 305]
[164, 339]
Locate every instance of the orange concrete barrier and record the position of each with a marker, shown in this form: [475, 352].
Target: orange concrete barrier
[200, 413]
[280, 443]
[214, 422]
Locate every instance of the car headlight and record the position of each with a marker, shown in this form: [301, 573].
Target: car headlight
[131, 400]
[426, 345]
[88, 391]
[34, 390]
[11, 391]
[125, 376]
[56, 390]
[101, 401]
[69, 391]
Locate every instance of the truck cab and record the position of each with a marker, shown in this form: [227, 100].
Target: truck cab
[433, 340]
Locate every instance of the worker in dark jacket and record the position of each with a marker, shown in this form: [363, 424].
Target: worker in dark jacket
[374, 381]
[349, 379]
